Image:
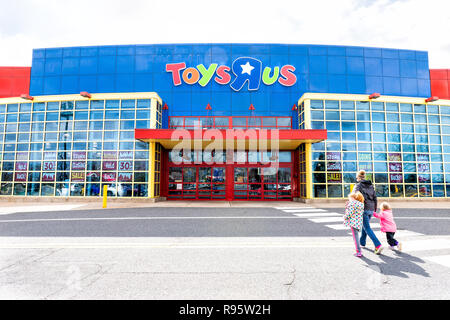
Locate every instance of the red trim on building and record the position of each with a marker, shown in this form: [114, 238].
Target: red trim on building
[166, 134]
[440, 83]
[14, 81]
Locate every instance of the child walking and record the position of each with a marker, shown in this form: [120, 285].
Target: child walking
[353, 217]
[388, 225]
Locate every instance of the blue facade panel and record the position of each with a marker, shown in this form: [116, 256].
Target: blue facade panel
[318, 68]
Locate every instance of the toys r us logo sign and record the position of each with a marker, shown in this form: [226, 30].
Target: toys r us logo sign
[245, 69]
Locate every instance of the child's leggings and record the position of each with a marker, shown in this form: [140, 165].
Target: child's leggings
[390, 239]
[355, 234]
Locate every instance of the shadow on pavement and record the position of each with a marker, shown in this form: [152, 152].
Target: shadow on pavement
[398, 266]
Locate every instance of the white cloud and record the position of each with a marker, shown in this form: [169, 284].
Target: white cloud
[406, 24]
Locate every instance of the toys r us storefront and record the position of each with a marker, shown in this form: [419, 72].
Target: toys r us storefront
[224, 122]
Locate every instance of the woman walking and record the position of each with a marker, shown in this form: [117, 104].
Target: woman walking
[370, 206]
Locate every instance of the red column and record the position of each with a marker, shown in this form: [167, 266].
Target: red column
[14, 81]
[295, 174]
[440, 83]
[229, 176]
[164, 187]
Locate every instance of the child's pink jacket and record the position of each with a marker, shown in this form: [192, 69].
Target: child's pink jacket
[387, 223]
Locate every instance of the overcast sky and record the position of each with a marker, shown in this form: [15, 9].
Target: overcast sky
[405, 24]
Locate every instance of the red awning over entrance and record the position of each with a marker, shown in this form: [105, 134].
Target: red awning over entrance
[249, 138]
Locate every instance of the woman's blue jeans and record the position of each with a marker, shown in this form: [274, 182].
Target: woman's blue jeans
[367, 230]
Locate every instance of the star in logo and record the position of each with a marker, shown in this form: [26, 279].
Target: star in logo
[247, 68]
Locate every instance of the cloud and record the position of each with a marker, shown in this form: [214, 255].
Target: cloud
[405, 24]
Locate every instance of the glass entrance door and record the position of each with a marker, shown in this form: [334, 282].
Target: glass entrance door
[197, 183]
[255, 191]
[262, 183]
[211, 183]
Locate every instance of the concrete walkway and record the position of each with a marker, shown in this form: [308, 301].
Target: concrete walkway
[10, 207]
[7, 207]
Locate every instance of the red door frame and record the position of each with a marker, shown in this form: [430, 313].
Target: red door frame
[229, 177]
[197, 183]
[289, 165]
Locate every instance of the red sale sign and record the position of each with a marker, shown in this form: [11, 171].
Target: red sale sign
[49, 166]
[78, 165]
[48, 177]
[109, 177]
[109, 165]
[125, 177]
[125, 165]
[20, 176]
[21, 166]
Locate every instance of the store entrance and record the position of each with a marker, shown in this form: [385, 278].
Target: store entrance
[251, 176]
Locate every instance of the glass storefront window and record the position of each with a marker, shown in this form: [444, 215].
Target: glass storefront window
[334, 191]
[112, 104]
[140, 190]
[382, 190]
[92, 189]
[61, 133]
[347, 105]
[128, 104]
[221, 122]
[382, 129]
[362, 105]
[284, 175]
[347, 115]
[47, 189]
[81, 125]
[33, 189]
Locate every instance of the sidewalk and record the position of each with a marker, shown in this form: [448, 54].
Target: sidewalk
[90, 205]
[79, 204]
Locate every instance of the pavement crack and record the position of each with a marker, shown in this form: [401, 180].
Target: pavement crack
[47, 255]
[101, 271]
[293, 272]
[290, 284]
[26, 260]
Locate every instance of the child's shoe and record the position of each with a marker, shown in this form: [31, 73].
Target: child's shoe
[358, 254]
[399, 246]
[378, 249]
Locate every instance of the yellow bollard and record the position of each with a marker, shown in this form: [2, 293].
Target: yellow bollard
[351, 187]
[105, 195]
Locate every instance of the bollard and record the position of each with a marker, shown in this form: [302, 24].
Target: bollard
[105, 195]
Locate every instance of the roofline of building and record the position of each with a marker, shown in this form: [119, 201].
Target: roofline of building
[365, 97]
[78, 97]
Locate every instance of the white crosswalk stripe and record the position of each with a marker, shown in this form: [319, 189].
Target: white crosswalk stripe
[343, 227]
[303, 210]
[411, 241]
[425, 244]
[442, 260]
[399, 234]
[326, 219]
[318, 214]
[288, 208]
